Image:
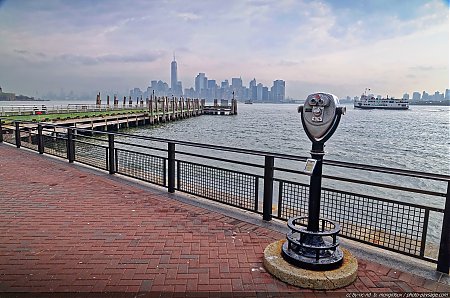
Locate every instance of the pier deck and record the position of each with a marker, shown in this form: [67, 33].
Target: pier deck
[65, 227]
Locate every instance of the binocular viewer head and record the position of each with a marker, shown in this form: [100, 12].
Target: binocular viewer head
[320, 114]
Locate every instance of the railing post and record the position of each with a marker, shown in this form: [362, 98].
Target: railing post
[444, 247]
[40, 140]
[268, 187]
[70, 146]
[17, 134]
[1, 131]
[111, 155]
[171, 167]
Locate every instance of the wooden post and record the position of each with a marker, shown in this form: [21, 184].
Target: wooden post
[174, 99]
[163, 109]
[150, 106]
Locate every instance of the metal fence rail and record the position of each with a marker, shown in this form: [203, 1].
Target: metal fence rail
[55, 145]
[142, 166]
[39, 108]
[230, 187]
[91, 154]
[395, 225]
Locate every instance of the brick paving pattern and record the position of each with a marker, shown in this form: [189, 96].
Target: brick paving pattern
[63, 228]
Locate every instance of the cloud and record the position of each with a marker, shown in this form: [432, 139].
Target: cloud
[423, 68]
[288, 63]
[351, 43]
[69, 58]
[188, 16]
[109, 58]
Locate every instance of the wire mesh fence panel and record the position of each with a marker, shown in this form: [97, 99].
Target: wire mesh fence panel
[91, 154]
[394, 225]
[29, 139]
[225, 186]
[8, 135]
[54, 145]
[141, 166]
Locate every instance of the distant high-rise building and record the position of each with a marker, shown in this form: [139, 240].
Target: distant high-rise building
[173, 76]
[252, 84]
[416, 96]
[278, 90]
[189, 92]
[236, 83]
[200, 82]
[259, 92]
[265, 94]
[225, 84]
[179, 90]
[447, 94]
[405, 96]
[438, 96]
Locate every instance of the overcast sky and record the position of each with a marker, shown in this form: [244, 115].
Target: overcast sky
[342, 47]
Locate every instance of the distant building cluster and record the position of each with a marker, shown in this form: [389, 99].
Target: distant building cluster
[210, 89]
[416, 96]
[424, 96]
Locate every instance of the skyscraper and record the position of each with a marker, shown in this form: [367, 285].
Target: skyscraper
[200, 82]
[278, 90]
[173, 76]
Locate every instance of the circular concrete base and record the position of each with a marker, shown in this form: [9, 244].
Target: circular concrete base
[318, 280]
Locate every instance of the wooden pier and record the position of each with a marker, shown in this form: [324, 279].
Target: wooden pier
[156, 110]
[223, 109]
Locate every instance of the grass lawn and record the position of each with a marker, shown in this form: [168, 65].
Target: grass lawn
[50, 117]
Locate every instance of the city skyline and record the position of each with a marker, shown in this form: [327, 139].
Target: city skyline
[210, 89]
[340, 47]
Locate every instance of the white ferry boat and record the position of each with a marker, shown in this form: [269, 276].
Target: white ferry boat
[371, 102]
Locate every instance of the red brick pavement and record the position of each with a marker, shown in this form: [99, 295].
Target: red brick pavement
[64, 228]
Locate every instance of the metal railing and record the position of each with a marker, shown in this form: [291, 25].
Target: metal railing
[42, 109]
[373, 205]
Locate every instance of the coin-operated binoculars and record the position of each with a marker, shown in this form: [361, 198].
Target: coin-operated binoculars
[315, 247]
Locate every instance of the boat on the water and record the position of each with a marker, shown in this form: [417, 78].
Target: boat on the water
[371, 102]
[248, 102]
